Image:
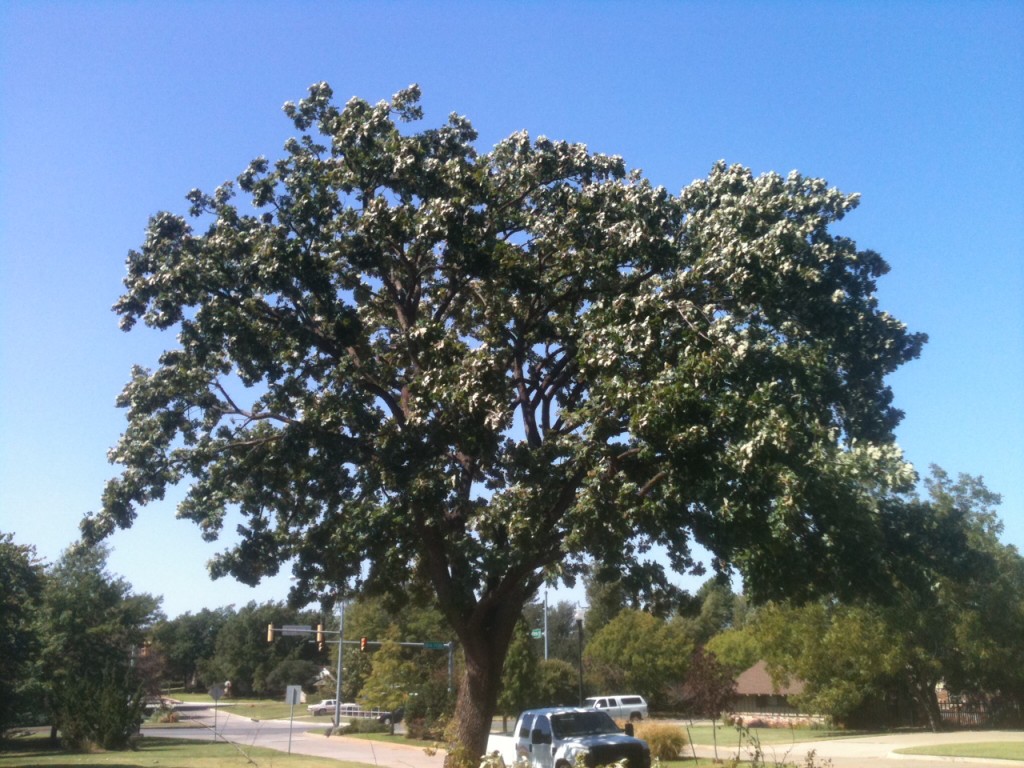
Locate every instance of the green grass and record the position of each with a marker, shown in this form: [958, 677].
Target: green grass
[996, 750]
[728, 735]
[259, 709]
[37, 750]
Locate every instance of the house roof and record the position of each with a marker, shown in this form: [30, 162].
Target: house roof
[757, 682]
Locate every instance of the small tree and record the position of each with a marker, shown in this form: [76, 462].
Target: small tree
[393, 676]
[708, 690]
[520, 680]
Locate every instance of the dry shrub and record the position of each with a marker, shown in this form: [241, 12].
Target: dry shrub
[666, 741]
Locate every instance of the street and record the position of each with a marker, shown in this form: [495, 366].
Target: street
[307, 738]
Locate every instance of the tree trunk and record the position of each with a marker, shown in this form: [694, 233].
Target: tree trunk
[485, 641]
[924, 692]
[476, 704]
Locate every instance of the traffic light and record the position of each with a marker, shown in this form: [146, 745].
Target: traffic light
[362, 643]
[319, 637]
[270, 633]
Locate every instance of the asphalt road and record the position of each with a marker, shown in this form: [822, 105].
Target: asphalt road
[305, 738]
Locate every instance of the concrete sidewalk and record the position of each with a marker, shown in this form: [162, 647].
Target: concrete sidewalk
[878, 750]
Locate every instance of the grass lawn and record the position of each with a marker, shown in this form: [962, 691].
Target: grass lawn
[728, 735]
[36, 751]
[258, 709]
[997, 750]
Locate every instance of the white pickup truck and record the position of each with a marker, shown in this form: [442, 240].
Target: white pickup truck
[558, 736]
[326, 707]
[630, 707]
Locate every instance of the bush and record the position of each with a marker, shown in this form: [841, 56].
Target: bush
[666, 741]
[363, 725]
[421, 729]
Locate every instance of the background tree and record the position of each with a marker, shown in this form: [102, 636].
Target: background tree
[708, 690]
[186, 641]
[638, 653]
[302, 672]
[243, 657]
[846, 655]
[392, 679]
[605, 600]
[519, 684]
[720, 609]
[93, 627]
[953, 615]
[957, 619]
[737, 648]
[562, 634]
[557, 683]
[21, 585]
[416, 622]
[414, 362]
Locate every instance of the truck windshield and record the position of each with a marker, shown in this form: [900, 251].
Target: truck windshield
[565, 725]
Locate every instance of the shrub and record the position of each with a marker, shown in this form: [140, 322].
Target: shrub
[363, 725]
[666, 741]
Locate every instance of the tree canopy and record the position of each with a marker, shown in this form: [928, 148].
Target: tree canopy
[401, 361]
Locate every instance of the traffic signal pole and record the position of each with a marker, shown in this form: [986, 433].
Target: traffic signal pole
[363, 642]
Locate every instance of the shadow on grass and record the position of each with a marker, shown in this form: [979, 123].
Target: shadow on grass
[36, 748]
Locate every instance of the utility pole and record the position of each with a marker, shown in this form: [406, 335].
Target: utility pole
[545, 625]
[337, 677]
[579, 627]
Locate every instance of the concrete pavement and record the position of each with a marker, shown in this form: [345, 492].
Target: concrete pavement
[878, 751]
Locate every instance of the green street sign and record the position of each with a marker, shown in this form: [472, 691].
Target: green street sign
[434, 646]
[536, 634]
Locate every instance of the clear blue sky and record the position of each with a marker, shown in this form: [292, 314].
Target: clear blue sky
[112, 111]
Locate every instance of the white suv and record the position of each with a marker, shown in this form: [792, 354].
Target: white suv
[630, 707]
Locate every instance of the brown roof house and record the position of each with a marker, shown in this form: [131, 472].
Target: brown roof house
[760, 702]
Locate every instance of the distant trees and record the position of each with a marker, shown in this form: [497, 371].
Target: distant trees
[185, 642]
[79, 647]
[230, 645]
[954, 614]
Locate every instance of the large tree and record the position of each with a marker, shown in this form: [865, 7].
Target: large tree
[402, 361]
[93, 628]
[21, 586]
[954, 614]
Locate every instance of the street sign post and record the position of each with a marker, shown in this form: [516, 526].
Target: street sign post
[293, 696]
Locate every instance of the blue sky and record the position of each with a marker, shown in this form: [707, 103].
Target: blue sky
[112, 111]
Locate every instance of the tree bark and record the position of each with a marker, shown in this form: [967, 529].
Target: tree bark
[477, 701]
[929, 701]
[485, 640]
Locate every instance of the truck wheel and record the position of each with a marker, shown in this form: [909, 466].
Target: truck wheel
[636, 717]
